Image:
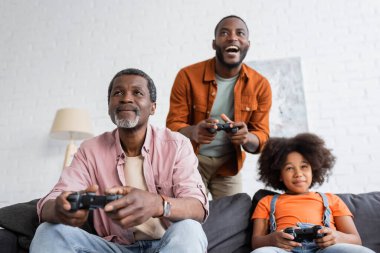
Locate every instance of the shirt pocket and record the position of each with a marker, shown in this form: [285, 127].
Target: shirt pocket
[199, 113]
[247, 107]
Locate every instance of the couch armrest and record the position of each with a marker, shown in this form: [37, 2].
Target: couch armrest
[8, 241]
[22, 220]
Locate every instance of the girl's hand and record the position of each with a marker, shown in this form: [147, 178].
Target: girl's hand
[330, 238]
[283, 240]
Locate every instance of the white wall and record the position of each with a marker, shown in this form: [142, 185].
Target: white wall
[63, 53]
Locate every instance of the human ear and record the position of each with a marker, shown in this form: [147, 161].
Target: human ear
[213, 44]
[153, 109]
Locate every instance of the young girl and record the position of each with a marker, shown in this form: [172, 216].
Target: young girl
[294, 165]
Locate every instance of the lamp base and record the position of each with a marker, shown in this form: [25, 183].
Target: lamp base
[71, 149]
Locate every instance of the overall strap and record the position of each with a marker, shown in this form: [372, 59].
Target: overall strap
[272, 219]
[327, 212]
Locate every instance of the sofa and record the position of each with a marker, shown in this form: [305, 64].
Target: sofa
[228, 227]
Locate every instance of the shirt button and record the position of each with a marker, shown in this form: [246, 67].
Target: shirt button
[213, 94]
[247, 108]
[193, 106]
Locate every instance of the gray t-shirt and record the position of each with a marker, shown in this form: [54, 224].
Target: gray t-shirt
[224, 103]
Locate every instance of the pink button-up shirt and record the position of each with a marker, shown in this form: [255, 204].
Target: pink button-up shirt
[170, 168]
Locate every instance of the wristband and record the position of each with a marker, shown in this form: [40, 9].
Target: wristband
[166, 206]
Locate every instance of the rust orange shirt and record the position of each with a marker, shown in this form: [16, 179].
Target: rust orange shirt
[193, 94]
[309, 208]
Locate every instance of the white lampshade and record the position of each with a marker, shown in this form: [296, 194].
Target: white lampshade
[71, 124]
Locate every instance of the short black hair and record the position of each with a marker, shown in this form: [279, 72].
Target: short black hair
[230, 16]
[310, 146]
[137, 72]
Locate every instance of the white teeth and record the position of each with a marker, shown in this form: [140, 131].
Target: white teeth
[233, 48]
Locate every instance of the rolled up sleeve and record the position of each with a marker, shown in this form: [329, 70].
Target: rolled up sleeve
[187, 182]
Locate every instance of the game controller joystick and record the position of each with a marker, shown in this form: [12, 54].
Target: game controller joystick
[225, 127]
[305, 234]
[90, 201]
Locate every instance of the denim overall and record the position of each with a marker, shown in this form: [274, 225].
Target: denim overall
[307, 247]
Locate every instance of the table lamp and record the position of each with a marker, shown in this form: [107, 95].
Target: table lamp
[71, 124]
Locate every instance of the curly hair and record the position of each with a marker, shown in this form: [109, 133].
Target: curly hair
[310, 146]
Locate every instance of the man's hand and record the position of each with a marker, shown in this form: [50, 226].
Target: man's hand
[200, 133]
[136, 207]
[241, 137]
[60, 210]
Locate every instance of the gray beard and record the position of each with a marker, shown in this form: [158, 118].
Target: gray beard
[124, 123]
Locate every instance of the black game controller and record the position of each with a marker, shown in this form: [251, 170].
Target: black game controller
[89, 201]
[305, 234]
[225, 127]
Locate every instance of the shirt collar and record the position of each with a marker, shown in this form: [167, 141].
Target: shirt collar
[209, 74]
[148, 139]
[119, 149]
[210, 71]
[145, 147]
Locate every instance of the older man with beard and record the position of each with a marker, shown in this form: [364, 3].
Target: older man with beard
[222, 90]
[155, 170]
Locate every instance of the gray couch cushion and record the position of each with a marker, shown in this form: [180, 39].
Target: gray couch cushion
[227, 225]
[366, 210]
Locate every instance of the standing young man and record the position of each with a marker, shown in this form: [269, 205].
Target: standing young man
[222, 90]
[155, 169]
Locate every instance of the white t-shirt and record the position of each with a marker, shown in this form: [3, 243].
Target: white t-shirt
[134, 176]
[224, 103]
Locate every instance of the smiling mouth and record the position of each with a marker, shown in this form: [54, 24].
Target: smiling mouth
[232, 49]
[136, 112]
[128, 110]
[125, 111]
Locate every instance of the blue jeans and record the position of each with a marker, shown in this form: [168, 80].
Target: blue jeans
[336, 248]
[182, 236]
